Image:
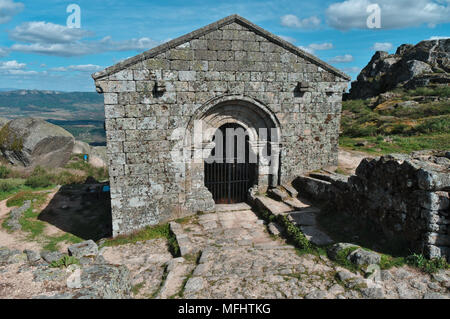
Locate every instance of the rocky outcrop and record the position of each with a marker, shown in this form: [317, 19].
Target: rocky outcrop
[32, 142]
[404, 197]
[411, 66]
[96, 154]
[3, 122]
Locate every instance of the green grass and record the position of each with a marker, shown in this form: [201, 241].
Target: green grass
[65, 262]
[34, 228]
[52, 242]
[400, 144]
[77, 162]
[427, 265]
[20, 198]
[10, 186]
[149, 232]
[4, 171]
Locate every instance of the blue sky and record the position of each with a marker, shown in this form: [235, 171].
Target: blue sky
[39, 51]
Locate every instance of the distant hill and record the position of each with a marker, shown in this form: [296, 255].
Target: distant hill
[51, 105]
[81, 113]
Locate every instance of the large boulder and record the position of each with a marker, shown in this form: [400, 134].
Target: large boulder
[80, 147]
[411, 66]
[98, 156]
[32, 142]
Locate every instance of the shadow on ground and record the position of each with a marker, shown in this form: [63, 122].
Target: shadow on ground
[347, 229]
[82, 210]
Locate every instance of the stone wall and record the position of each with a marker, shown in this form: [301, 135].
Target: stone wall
[149, 96]
[404, 196]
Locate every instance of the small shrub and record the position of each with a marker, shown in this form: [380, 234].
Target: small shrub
[65, 261]
[4, 171]
[435, 125]
[39, 178]
[9, 185]
[38, 181]
[427, 265]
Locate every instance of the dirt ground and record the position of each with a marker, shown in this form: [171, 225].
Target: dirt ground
[348, 161]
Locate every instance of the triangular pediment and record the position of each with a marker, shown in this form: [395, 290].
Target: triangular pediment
[211, 28]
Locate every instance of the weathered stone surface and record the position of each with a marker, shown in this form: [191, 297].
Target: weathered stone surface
[275, 229]
[334, 250]
[30, 141]
[33, 256]
[51, 256]
[403, 196]
[86, 248]
[106, 281]
[80, 147]
[242, 75]
[13, 222]
[411, 66]
[364, 257]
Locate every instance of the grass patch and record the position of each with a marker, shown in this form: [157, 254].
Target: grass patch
[149, 232]
[52, 242]
[10, 186]
[427, 265]
[77, 162]
[400, 144]
[291, 232]
[64, 262]
[20, 198]
[4, 171]
[136, 288]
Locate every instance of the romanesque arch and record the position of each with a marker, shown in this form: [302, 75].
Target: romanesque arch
[259, 123]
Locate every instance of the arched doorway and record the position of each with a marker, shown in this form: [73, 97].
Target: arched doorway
[263, 138]
[231, 169]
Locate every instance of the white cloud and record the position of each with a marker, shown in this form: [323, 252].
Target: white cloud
[11, 65]
[82, 68]
[46, 32]
[313, 47]
[382, 46]
[306, 49]
[86, 47]
[15, 68]
[321, 46]
[57, 40]
[437, 37]
[352, 69]
[22, 72]
[352, 14]
[288, 39]
[3, 52]
[342, 59]
[8, 9]
[292, 21]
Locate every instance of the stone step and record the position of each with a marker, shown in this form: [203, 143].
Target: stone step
[178, 270]
[232, 207]
[316, 236]
[297, 204]
[273, 206]
[278, 194]
[290, 190]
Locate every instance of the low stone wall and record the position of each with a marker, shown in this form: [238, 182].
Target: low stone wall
[404, 196]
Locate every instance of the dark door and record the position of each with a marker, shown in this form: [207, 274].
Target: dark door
[230, 178]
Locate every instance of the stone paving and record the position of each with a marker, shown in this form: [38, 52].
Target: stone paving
[238, 258]
[228, 254]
